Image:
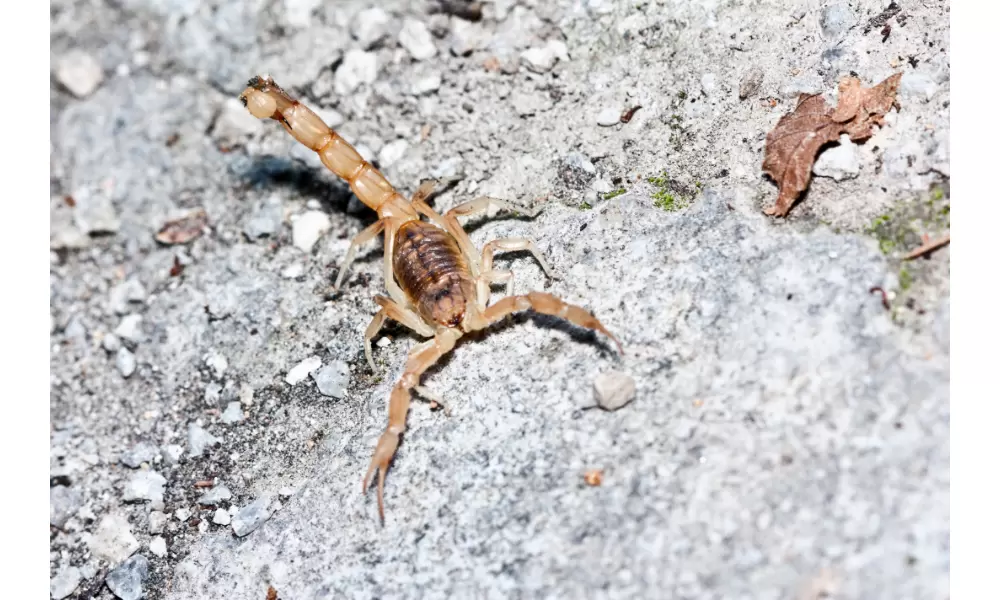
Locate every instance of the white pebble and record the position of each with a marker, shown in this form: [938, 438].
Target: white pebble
[308, 228]
[302, 370]
[609, 116]
[358, 68]
[416, 38]
[130, 328]
[125, 361]
[158, 546]
[80, 73]
[293, 271]
[221, 517]
[392, 152]
[370, 26]
[839, 162]
[614, 390]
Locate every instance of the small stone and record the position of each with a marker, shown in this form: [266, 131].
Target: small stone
[358, 68]
[171, 454]
[426, 85]
[125, 581]
[308, 228]
[213, 393]
[333, 379]
[370, 27]
[94, 213]
[466, 37]
[266, 219]
[221, 517]
[708, 83]
[609, 116]
[233, 413]
[836, 19]
[125, 361]
[130, 328]
[299, 13]
[750, 82]
[392, 152]
[113, 541]
[293, 271]
[158, 546]
[416, 38]
[125, 294]
[918, 86]
[182, 514]
[383, 342]
[145, 485]
[80, 73]
[246, 394]
[64, 502]
[839, 162]
[217, 363]
[541, 60]
[64, 582]
[302, 370]
[143, 452]
[614, 390]
[527, 104]
[214, 496]
[251, 516]
[199, 440]
[111, 342]
[235, 123]
[157, 520]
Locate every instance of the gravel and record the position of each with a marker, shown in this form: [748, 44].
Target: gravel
[609, 116]
[80, 73]
[416, 39]
[332, 380]
[370, 27]
[215, 496]
[358, 68]
[251, 516]
[221, 517]
[233, 413]
[64, 502]
[145, 485]
[143, 452]
[130, 328]
[158, 546]
[301, 371]
[200, 440]
[126, 580]
[64, 582]
[840, 162]
[614, 390]
[125, 362]
[308, 228]
[157, 521]
[113, 540]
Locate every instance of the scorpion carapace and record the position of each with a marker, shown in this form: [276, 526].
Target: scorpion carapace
[438, 284]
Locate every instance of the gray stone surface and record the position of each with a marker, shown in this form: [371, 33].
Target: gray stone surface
[63, 503]
[64, 582]
[787, 431]
[125, 580]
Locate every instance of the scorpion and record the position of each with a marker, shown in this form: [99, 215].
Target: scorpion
[438, 285]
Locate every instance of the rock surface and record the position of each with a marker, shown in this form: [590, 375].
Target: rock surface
[787, 431]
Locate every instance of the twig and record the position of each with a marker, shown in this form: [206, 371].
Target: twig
[885, 296]
[928, 247]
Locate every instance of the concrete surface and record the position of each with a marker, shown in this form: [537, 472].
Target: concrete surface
[789, 436]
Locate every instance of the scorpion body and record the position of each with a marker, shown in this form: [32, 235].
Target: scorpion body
[438, 285]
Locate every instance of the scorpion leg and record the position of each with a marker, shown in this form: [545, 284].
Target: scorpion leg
[400, 314]
[395, 292]
[507, 245]
[547, 304]
[487, 279]
[470, 208]
[421, 358]
[367, 234]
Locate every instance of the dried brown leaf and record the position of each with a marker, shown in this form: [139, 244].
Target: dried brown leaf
[793, 144]
[181, 231]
